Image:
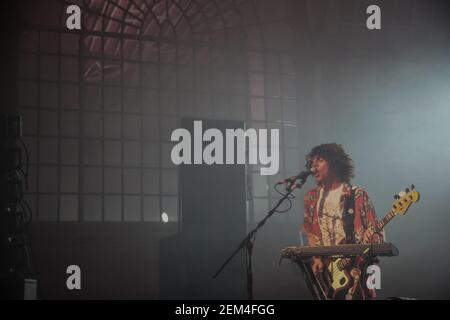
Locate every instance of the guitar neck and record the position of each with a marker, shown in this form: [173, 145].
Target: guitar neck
[383, 222]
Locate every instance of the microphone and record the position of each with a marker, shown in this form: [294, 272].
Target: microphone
[301, 176]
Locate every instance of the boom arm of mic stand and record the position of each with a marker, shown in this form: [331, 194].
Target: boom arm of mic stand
[247, 242]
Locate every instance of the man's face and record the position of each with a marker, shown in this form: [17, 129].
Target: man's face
[322, 170]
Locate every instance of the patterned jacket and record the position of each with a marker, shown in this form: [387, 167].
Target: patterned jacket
[365, 216]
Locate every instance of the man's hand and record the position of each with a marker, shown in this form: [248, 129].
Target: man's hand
[370, 237]
[317, 265]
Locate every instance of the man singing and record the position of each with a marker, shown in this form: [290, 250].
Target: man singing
[337, 213]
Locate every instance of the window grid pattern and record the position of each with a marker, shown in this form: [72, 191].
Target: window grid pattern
[99, 108]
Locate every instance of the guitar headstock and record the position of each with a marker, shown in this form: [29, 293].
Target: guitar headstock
[404, 200]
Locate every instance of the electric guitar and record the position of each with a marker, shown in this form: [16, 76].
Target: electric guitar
[338, 267]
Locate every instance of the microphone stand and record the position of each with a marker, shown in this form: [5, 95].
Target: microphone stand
[248, 241]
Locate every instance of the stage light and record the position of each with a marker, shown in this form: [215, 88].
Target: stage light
[164, 217]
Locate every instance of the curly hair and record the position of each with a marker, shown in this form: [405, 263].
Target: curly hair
[337, 158]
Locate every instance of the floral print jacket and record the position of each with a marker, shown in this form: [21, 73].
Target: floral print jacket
[365, 216]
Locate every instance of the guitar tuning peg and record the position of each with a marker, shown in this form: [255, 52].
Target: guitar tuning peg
[407, 190]
[413, 187]
[396, 196]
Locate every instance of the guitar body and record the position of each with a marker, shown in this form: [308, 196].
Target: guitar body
[340, 278]
[344, 285]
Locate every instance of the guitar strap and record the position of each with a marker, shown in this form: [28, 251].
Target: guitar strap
[348, 217]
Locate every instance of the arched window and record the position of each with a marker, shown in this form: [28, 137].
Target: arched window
[107, 97]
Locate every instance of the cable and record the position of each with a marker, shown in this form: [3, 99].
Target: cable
[289, 197]
[15, 176]
[26, 162]
[24, 204]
